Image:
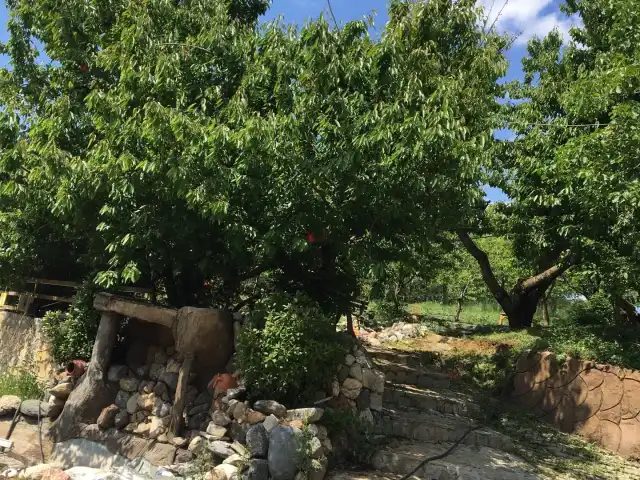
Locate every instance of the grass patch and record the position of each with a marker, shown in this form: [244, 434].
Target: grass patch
[22, 384]
[477, 314]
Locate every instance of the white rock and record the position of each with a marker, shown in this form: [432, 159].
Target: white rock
[356, 371]
[229, 471]
[351, 388]
[196, 444]
[216, 430]
[236, 460]
[156, 428]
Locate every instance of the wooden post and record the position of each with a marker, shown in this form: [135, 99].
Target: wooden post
[92, 393]
[181, 392]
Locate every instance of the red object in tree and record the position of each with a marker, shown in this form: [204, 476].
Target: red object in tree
[76, 368]
[310, 237]
[83, 68]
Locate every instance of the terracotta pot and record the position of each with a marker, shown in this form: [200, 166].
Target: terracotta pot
[76, 368]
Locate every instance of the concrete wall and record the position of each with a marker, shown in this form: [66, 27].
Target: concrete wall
[599, 402]
[22, 345]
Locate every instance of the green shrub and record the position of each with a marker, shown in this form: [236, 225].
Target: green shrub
[597, 311]
[383, 313]
[71, 334]
[289, 349]
[22, 384]
[358, 439]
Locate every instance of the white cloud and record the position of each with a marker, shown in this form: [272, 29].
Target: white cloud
[527, 17]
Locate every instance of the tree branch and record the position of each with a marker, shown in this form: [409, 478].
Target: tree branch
[499, 293]
[549, 275]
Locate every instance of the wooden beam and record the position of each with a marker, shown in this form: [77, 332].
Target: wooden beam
[106, 302]
[59, 283]
[177, 420]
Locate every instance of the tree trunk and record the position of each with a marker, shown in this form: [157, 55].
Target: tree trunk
[93, 393]
[521, 303]
[445, 294]
[460, 300]
[350, 324]
[545, 311]
[177, 422]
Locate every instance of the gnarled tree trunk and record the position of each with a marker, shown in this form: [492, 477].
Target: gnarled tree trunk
[521, 303]
[93, 393]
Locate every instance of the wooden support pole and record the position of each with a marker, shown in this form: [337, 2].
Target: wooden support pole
[181, 392]
[92, 393]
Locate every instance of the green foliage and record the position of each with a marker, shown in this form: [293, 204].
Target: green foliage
[357, 440]
[383, 313]
[22, 384]
[597, 310]
[289, 349]
[177, 143]
[72, 333]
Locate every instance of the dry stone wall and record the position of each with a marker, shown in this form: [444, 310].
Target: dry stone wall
[599, 402]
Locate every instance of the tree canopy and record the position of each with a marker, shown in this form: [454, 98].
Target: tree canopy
[180, 144]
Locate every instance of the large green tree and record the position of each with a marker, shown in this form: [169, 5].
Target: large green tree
[178, 142]
[571, 171]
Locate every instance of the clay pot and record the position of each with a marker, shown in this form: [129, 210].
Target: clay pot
[76, 368]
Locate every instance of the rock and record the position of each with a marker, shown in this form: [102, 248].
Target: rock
[131, 427]
[238, 393]
[122, 398]
[349, 360]
[375, 402]
[196, 444]
[326, 444]
[257, 469]
[140, 416]
[220, 449]
[240, 412]
[308, 415]
[198, 409]
[225, 472]
[270, 423]
[148, 387]
[318, 469]
[156, 427]
[220, 418]
[142, 429]
[160, 390]
[216, 430]
[335, 387]
[160, 357]
[163, 438]
[183, 456]
[257, 441]
[238, 432]
[270, 407]
[203, 399]
[364, 399]
[9, 404]
[299, 424]
[171, 379]
[107, 418]
[322, 432]
[156, 370]
[231, 405]
[160, 454]
[129, 384]
[236, 460]
[162, 409]
[254, 417]
[351, 388]
[62, 390]
[56, 474]
[356, 371]
[148, 401]
[199, 421]
[366, 416]
[173, 366]
[240, 449]
[284, 445]
[117, 373]
[55, 406]
[343, 373]
[315, 446]
[30, 408]
[373, 380]
[180, 441]
[38, 472]
[121, 419]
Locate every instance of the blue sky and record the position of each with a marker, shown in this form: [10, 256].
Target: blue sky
[530, 17]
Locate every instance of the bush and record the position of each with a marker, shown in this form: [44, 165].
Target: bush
[383, 313]
[357, 440]
[22, 384]
[597, 311]
[289, 349]
[72, 334]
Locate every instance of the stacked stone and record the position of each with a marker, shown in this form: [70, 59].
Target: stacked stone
[59, 393]
[398, 331]
[358, 386]
[263, 440]
[143, 404]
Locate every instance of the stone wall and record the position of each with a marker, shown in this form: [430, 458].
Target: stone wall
[599, 402]
[22, 345]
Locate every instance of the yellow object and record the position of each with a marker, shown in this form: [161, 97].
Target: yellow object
[3, 299]
[503, 317]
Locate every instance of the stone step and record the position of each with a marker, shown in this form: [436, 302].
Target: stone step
[404, 371]
[464, 462]
[366, 475]
[397, 396]
[436, 427]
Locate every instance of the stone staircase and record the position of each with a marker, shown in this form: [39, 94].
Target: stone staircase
[423, 416]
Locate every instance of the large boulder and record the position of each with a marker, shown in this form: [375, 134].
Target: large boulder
[270, 407]
[258, 441]
[257, 469]
[29, 408]
[9, 404]
[206, 333]
[62, 390]
[284, 446]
